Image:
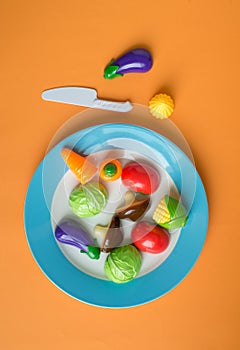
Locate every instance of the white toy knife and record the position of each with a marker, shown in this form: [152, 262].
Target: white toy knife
[82, 96]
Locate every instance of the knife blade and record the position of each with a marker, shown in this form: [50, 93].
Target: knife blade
[82, 96]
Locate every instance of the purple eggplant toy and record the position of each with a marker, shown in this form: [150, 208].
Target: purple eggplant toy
[71, 232]
[135, 61]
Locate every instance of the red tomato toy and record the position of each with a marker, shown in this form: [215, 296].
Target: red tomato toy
[150, 238]
[140, 177]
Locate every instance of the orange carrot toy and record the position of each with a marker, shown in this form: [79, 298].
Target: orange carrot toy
[80, 166]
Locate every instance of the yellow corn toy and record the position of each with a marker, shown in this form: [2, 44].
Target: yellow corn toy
[170, 213]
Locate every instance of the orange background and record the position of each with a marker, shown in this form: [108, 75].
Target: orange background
[195, 46]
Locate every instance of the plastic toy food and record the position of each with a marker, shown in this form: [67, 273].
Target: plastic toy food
[88, 200]
[170, 213]
[135, 61]
[71, 232]
[134, 207]
[161, 106]
[112, 233]
[80, 166]
[110, 170]
[123, 264]
[150, 238]
[140, 177]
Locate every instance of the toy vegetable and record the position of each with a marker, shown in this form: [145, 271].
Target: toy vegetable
[135, 61]
[112, 233]
[134, 207]
[150, 238]
[88, 200]
[72, 233]
[123, 264]
[170, 213]
[110, 170]
[140, 177]
[80, 166]
[161, 106]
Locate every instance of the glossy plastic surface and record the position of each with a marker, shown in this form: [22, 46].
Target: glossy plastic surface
[70, 232]
[150, 238]
[140, 177]
[135, 61]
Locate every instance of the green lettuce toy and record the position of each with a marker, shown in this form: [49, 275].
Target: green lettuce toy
[88, 200]
[123, 264]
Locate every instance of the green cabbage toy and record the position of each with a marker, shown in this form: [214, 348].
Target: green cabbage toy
[123, 264]
[88, 200]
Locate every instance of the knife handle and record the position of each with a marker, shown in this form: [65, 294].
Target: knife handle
[112, 106]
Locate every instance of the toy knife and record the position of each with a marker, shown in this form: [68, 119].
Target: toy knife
[82, 96]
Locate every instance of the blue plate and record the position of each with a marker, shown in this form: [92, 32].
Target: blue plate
[96, 291]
